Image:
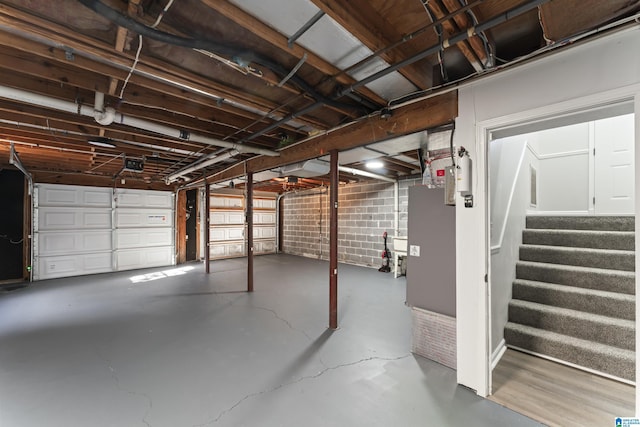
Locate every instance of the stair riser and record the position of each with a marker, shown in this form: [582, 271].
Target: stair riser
[605, 306]
[584, 328]
[603, 281]
[624, 242]
[606, 260]
[615, 223]
[610, 364]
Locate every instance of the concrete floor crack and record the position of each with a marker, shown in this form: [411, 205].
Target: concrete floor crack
[299, 380]
[286, 322]
[116, 379]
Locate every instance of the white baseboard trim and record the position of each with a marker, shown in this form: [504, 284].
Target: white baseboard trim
[498, 353]
[573, 365]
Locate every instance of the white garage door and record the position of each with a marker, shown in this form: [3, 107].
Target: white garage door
[227, 237]
[143, 229]
[85, 230]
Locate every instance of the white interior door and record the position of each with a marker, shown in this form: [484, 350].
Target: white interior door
[614, 166]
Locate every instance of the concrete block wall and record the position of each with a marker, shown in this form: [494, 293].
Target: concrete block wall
[365, 212]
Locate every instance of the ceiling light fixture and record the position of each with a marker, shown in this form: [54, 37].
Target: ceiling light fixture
[102, 142]
[374, 164]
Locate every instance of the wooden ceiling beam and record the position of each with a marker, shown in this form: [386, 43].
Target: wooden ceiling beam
[418, 116]
[58, 57]
[179, 78]
[279, 40]
[367, 25]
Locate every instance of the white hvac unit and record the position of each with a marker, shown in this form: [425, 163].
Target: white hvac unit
[307, 169]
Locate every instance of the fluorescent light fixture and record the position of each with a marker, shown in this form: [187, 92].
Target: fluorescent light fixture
[102, 142]
[374, 164]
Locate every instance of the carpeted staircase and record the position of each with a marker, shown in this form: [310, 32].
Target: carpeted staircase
[574, 293]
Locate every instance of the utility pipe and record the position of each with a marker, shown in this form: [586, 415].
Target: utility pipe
[512, 13]
[65, 132]
[396, 209]
[310, 191]
[207, 161]
[110, 115]
[365, 174]
[440, 47]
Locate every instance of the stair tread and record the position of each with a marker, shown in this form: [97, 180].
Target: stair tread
[580, 231]
[577, 249]
[592, 346]
[594, 270]
[577, 290]
[568, 312]
[582, 222]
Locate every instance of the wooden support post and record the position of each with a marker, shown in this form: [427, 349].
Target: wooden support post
[205, 214]
[333, 242]
[249, 231]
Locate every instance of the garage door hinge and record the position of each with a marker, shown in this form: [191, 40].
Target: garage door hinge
[486, 278]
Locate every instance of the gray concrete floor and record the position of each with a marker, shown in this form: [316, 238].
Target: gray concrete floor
[188, 350]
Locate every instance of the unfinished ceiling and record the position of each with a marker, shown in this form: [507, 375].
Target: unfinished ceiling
[206, 89]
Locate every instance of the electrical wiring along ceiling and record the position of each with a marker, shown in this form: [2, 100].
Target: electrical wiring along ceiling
[192, 88]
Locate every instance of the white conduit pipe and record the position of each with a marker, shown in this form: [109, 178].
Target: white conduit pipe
[365, 173]
[65, 132]
[208, 161]
[396, 209]
[110, 115]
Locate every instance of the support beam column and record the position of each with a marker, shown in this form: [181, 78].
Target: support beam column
[249, 231]
[207, 206]
[333, 242]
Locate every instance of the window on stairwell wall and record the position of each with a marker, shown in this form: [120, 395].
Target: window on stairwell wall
[533, 186]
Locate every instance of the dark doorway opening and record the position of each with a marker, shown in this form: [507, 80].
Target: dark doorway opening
[192, 229]
[11, 225]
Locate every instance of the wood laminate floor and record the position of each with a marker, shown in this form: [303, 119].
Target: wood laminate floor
[559, 395]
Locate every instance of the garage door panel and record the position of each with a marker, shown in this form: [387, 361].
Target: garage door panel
[267, 246]
[55, 243]
[67, 195]
[135, 218]
[129, 259]
[222, 217]
[222, 250]
[141, 238]
[144, 199]
[264, 232]
[51, 267]
[226, 233]
[54, 218]
[226, 202]
[264, 203]
[264, 218]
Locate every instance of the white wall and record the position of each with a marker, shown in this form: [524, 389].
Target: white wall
[509, 180]
[578, 77]
[563, 176]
